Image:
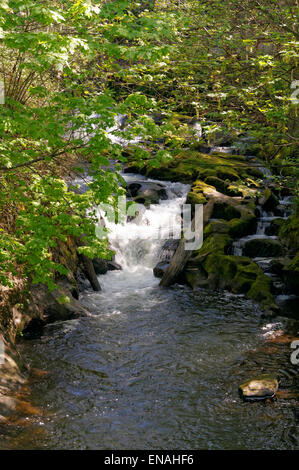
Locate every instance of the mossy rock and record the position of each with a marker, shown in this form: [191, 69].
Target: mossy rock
[194, 198]
[199, 192]
[229, 157]
[234, 191]
[260, 291]
[289, 233]
[245, 277]
[196, 277]
[262, 247]
[291, 274]
[215, 243]
[219, 184]
[227, 174]
[188, 165]
[217, 226]
[225, 210]
[241, 227]
[238, 274]
[268, 200]
[274, 227]
[255, 172]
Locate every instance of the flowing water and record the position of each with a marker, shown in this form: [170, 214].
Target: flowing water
[156, 368]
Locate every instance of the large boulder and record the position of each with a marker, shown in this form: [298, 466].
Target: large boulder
[262, 247]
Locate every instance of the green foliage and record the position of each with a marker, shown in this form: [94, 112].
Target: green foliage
[56, 62]
[70, 66]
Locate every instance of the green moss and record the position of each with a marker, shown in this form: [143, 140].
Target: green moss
[215, 243]
[260, 290]
[255, 173]
[238, 274]
[291, 274]
[226, 210]
[233, 191]
[294, 264]
[268, 200]
[219, 184]
[219, 226]
[195, 198]
[189, 165]
[229, 157]
[241, 227]
[289, 233]
[178, 118]
[227, 174]
[196, 195]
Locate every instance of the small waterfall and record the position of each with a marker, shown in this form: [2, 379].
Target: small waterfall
[266, 263]
[138, 242]
[264, 222]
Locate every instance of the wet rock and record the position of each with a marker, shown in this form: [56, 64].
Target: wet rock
[55, 309]
[226, 211]
[268, 201]
[289, 234]
[277, 265]
[113, 266]
[259, 388]
[274, 227]
[100, 266]
[280, 210]
[291, 275]
[160, 269]
[34, 329]
[81, 280]
[133, 188]
[262, 247]
[146, 192]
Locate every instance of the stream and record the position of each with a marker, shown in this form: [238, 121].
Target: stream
[156, 368]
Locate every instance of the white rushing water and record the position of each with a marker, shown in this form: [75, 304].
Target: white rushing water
[137, 243]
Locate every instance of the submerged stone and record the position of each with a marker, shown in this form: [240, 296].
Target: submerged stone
[259, 388]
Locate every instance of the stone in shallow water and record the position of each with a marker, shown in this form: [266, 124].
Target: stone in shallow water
[259, 388]
[160, 269]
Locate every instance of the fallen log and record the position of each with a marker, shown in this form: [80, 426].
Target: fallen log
[181, 256]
